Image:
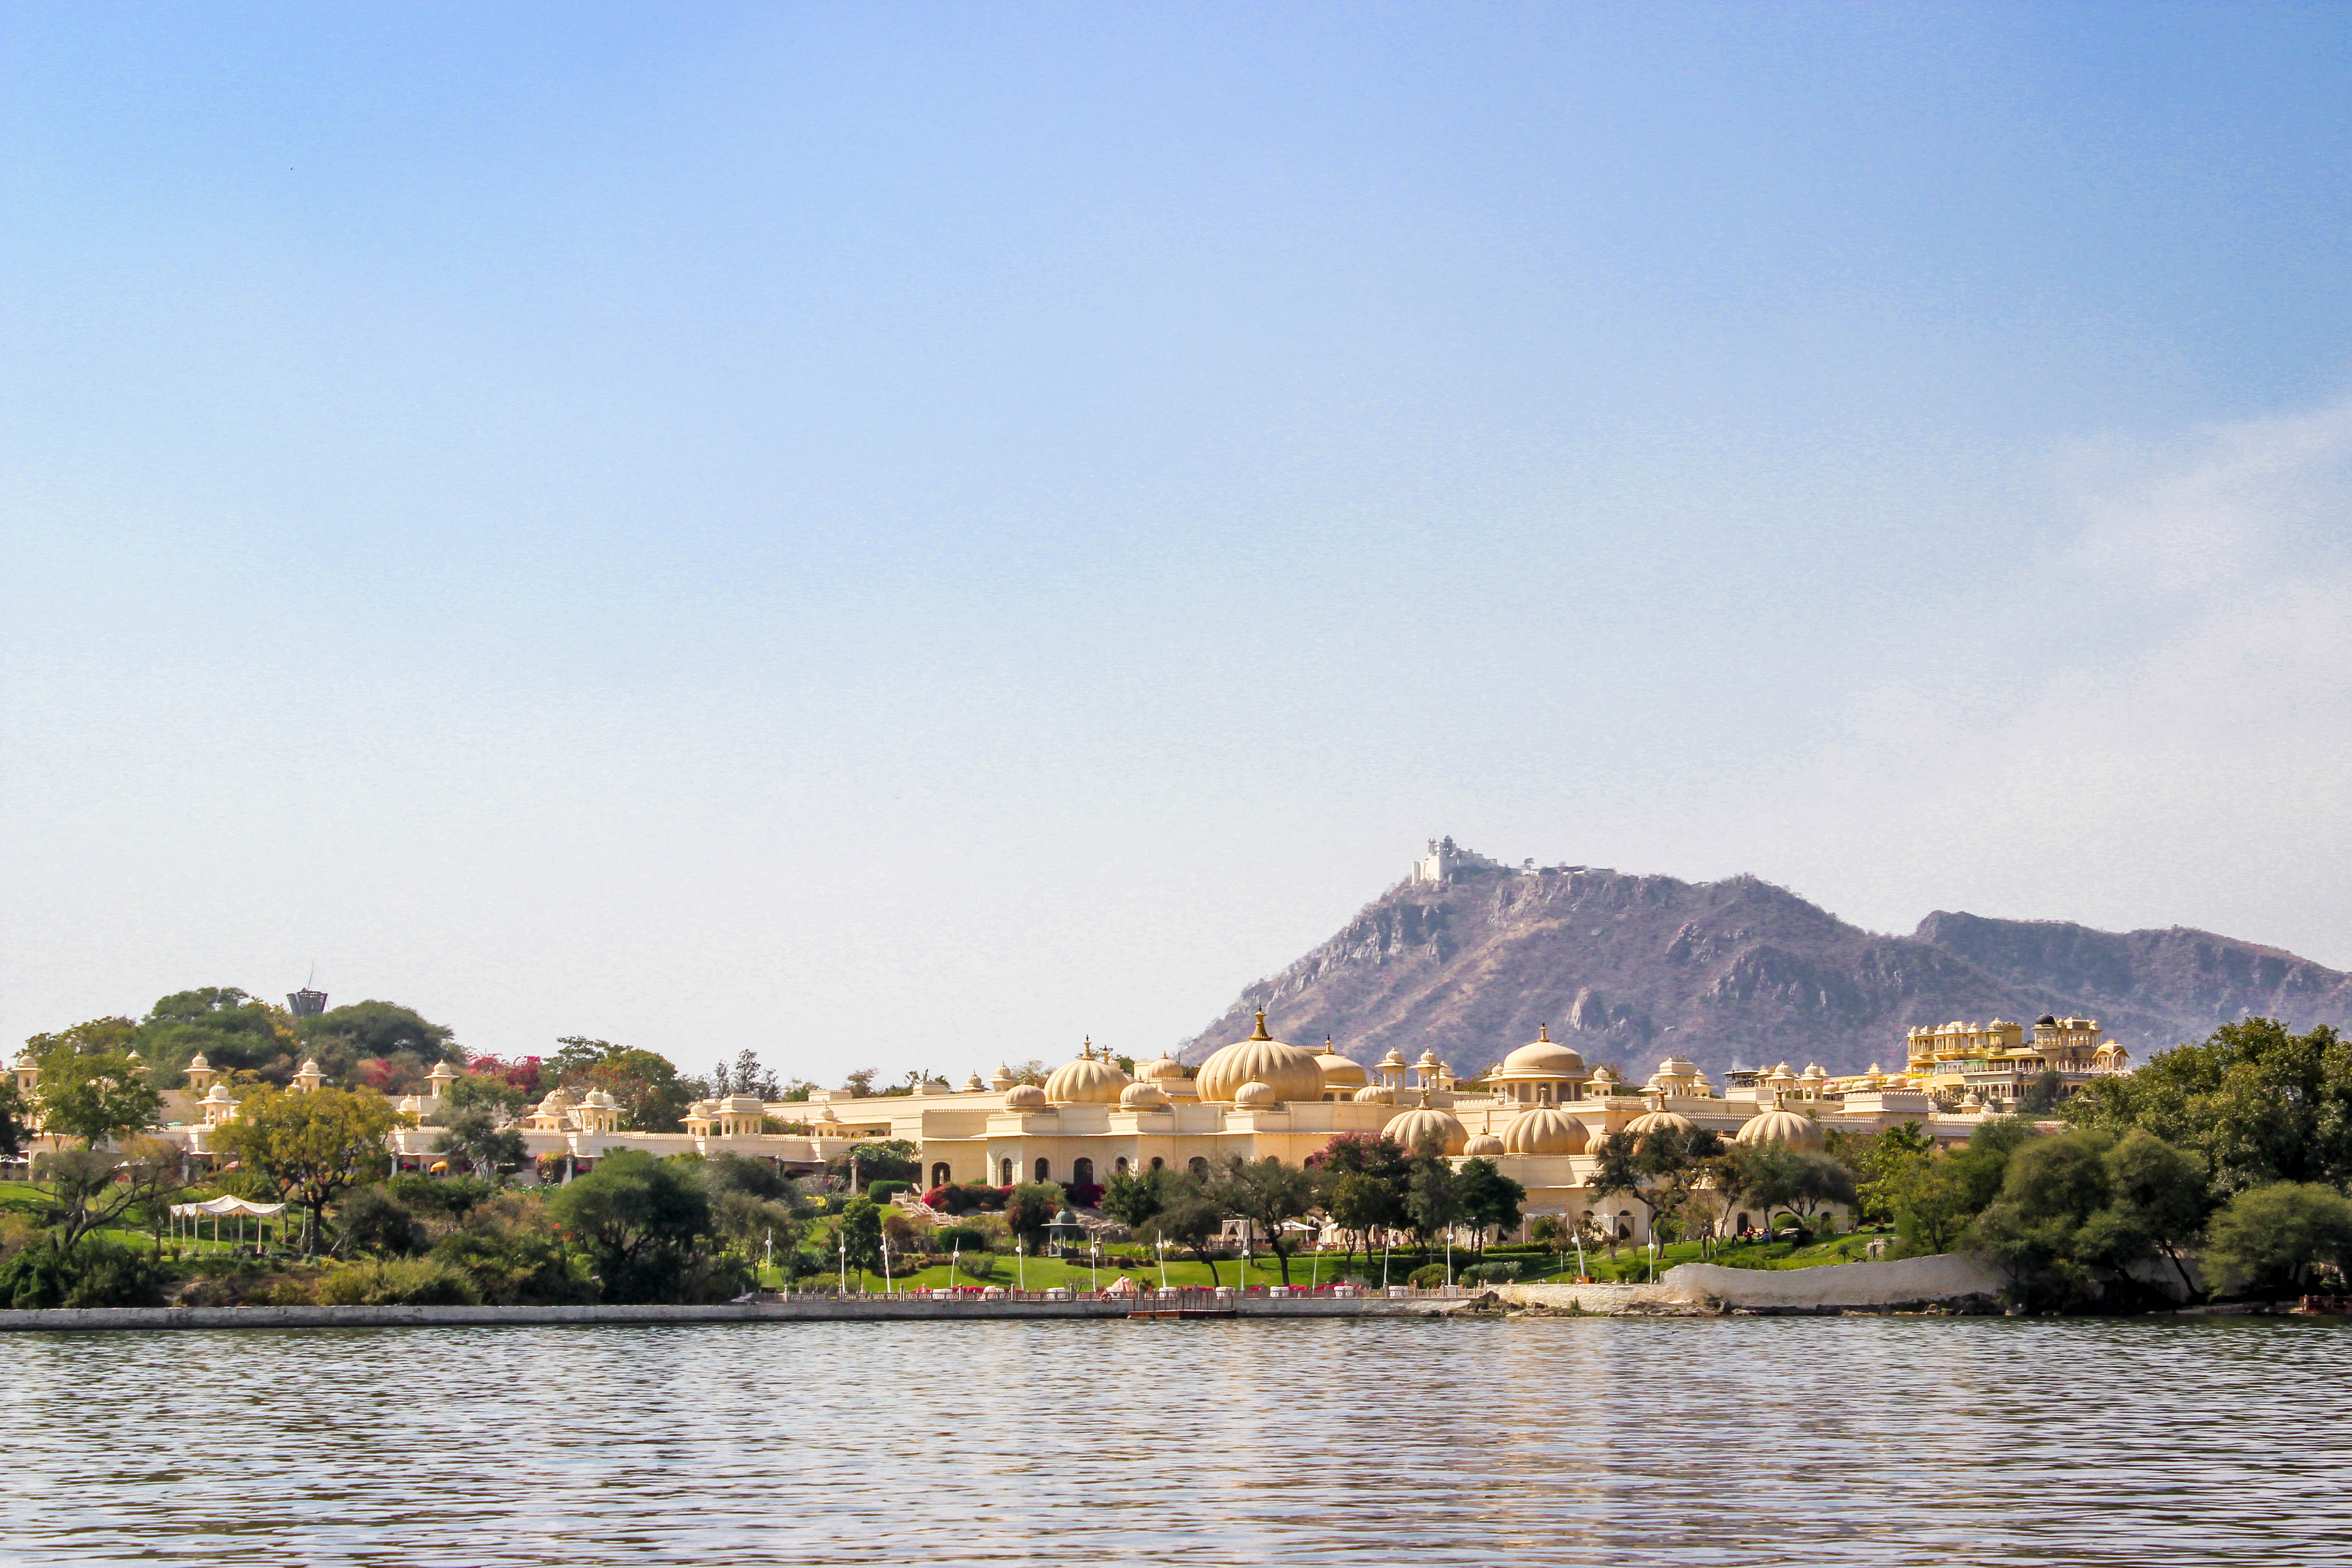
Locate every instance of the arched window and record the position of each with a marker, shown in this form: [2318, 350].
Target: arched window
[1156, 1163]
[939, 1175]
[1624, 1224]
[1005, 1172]
[1119, 1166]
[1042, 1170]
[1197, 1165]
[1082, 1174]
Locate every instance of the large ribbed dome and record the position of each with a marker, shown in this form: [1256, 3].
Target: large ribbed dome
[1784, 1129]
[1024, 1096]
[1542, 1057]
[1407, 1129]
[1545, 1131]
[1376, 1094]
[1145, 1096]
[1291, 1072]
[1340, 1074]
[1089, 1080]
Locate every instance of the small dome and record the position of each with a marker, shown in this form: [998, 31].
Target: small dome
[1146, 1095]
[219, 1095]
[1256, 1096]
[824, 1114]
[1395, 1059]
[1542, 1057]
[1376, 1094]
[971, 1084]
[1289, 1070]
[1024, 1096]
[1088, 1080]
[1781, 1129]
[309, 1069]
[2047, 1019]
[195, 1063]
[1429, 1063]
[1340, 1072]
[1408, 1128]
[1813, 1073]
[1161, 1069]
[601, 1100]
[1604, 1075]
[1484, 1144]
[1546, 1130]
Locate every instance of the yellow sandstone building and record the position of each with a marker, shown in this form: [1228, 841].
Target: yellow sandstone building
[1539, 1115]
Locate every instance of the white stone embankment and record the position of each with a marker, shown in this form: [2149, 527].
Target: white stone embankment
[1948, 1280]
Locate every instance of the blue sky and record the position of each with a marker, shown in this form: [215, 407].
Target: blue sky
[910, 536]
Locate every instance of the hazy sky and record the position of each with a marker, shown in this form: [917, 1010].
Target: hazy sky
[908, 535]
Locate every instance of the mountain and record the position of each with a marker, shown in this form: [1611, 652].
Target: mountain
[1467, 958]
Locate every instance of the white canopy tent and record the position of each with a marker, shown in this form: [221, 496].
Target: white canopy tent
[192, 1217]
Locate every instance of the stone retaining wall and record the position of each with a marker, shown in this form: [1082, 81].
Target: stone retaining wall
[1950, 1278]
[819, 1309]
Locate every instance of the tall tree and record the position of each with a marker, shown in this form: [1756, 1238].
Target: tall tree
[1490, 1200]
[90, 1189]
[1269, 1195]
[312, 1147]
[651, 1095]
[1192, 1219]
[1133, 1198]
[641, 1220]
[92, 1086]
[2260, 1103]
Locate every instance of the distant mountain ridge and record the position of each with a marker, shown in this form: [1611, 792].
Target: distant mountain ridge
[1737, 972]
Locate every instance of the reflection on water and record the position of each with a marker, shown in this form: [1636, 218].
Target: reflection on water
[1563, 1440]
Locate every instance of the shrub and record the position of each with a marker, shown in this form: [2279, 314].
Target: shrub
[1083, 1194]
[980, 1266]
[883, 1191]
[370, 1219]
[1489, 1274]
[403, 1282]
[968, 1238]
[96, 1274]
[1427, 1276]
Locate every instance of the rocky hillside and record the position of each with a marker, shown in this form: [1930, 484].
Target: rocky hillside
[1735, 973]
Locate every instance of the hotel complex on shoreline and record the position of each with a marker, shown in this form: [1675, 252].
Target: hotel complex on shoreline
[1540, 1115]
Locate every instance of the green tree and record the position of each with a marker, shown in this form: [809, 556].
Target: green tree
[14, 1115]
[1490, 1200]
[1029, 1208]
[2267, 1239]
[1665, 1168]
[651, 1095]
[491, 1092]
[1433, 1198]
[1269, 1195]
[2259, 1103]
[1192, 1218]
[93, 1086]
[476, 1135]
[2160, 1196]
[235, 1032]
[2041, 1096]
[2035, 1230]
[1360, 1204]
[875, 1159]
[1935, 1202]
[1132, 1198]
[642, 1221]
[857, 1237]
[311, 1147]
[1876, 1160]
[90, 1189]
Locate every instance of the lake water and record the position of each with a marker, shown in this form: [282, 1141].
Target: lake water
[1861, 1440]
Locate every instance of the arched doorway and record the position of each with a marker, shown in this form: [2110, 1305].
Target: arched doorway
[1119, 1166]
[1044, 1170]
[1197, 1165]
[939, 1175]
[1005, 1172]
[1082, 1173]
[1624, 1224]
[1158, 1164]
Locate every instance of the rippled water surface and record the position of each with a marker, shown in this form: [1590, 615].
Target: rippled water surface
[1565, 1441]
